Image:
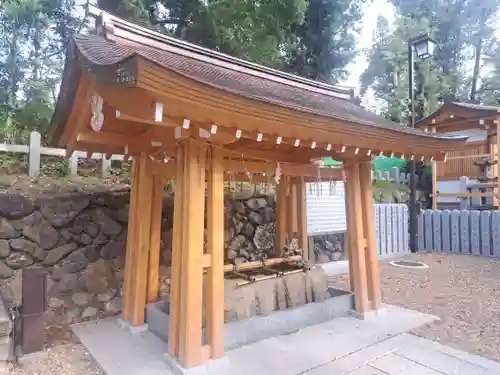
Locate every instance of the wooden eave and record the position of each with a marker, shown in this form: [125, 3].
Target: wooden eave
[454, 116]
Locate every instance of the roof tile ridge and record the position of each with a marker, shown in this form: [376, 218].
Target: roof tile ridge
[115, 28]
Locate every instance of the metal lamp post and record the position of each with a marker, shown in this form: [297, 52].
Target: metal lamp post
[422, 46]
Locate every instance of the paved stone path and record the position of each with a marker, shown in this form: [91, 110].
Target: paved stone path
[342, 346]
[407, 354]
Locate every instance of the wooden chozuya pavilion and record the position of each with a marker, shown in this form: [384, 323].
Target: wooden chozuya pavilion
[185, 112]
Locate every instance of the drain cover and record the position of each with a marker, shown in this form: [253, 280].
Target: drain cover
[408, 264]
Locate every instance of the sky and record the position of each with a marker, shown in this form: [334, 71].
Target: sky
[365, 39]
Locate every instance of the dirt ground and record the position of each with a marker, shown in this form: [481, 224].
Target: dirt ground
[462, 290]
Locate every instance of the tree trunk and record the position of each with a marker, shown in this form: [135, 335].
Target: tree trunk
[477, 58]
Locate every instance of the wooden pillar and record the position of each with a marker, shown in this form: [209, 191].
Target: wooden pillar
[138, 246]
[131, 244]
[434, 179]
[357, 241]
[351, 244]
[177, 245]
[302, 217]
[497, 158]
[155, 239]
[190, 344]
[215, 247]
[371, 253]
[493, 150]
[281, 216]
[292, 227]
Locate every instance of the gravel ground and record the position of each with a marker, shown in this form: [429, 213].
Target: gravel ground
[65, 359]
[462, 290]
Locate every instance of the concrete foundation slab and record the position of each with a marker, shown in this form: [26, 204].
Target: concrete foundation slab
[237, 334]
[308, 350]
[217, 366]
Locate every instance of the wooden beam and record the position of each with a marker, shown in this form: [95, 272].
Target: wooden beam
[211, 104]
[302, 217]
[155, 239]
[466, 195]
[79, 110]
[190, 353]
[305, 170]
[358, 253]
[371, 255]
[215, 247]
[128, 282]
[177, 242]
[143, 228]
[167, 171]
[105, 138]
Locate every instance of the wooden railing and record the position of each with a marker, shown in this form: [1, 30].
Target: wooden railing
[35, 150]
[461, 163]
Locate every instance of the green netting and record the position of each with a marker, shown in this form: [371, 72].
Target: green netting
[385, 164]
[329, 162]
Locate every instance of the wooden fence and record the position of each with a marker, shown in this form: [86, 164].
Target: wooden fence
[460, 231]
[35, 151]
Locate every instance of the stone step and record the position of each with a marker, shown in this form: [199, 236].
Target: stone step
[485, 207]
[487, 179]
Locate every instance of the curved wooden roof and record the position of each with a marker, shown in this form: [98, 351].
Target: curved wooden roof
[455, 116]
[132, 67]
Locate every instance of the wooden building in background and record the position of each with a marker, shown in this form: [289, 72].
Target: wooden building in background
[199, 117]
[480, 123]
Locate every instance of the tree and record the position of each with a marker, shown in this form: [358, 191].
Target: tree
[326, 41]
[461, 28]
[387, 70]
[33, 39]
[257, 31]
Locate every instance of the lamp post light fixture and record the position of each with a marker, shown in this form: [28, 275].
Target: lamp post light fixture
[423, 46]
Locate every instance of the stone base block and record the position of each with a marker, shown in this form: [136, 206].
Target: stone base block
[6, 349]
[256, 328]
[368, 315]
[131, 328]
[212, 366]
[26, 358]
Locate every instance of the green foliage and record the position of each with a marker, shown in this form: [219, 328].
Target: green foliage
[33, 38]
[55, 167]
[384, 164]
[326, 42]
[465, 35]
[11, 163]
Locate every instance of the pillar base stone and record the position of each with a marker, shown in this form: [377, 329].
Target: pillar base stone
[212, 366]
[131, 328]
[368, 315]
